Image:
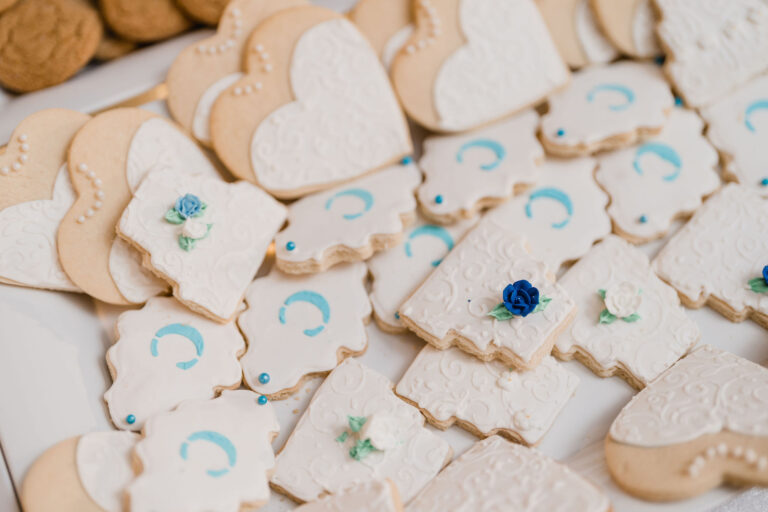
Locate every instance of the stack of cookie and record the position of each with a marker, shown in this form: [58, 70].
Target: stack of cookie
[541, 142]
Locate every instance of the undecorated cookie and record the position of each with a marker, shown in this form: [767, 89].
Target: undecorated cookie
[205, 11]
[144, 21]
[462, 67]
[630, 25]
[6, 4]
[388, 24]
[373, 496]
[314, 109]
[607, 107]
[701, 423]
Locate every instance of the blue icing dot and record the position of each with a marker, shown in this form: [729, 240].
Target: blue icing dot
[130, 419]
[397, 315]
[643, 219]
[264, 378]
[439, 199]
[764, 182]
[262, 400]
[678, 101]
[406, 160]
[290, 246]
[659, 60]
[560, 132]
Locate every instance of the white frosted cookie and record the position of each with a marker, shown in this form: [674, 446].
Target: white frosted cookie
[450, 386]
[302, 326]
[630, 25]
[660, 180]
[349, 222]
[701, 423]
[467, 173]
[204, 236]
[495, 474]
[492, 299]
[388, 24]
[562, 216]
[207, 455]
[719, 257]
[356, 430]
[607, 107]
[712, 46]
[398, 271]
[638, 330]
[166, 354]
[373, 496]
[462, 68]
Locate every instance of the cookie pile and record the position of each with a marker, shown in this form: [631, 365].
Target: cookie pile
[555, 143]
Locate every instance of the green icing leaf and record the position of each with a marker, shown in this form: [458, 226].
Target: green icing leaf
[342, 437]
[601, 293]
[500, 312]
[361, 450]
[758, 285]
[174, 217]
[203, 206]
[543, 303]
[186, 243]
[634, 317]
[356, 422]
[606, 317]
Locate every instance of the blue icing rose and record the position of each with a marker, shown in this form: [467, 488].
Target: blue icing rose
[188, 205]
[765, 274]
[521, 298]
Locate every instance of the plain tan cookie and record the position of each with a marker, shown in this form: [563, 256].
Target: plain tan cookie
[204, 11]
[44, 42]
[6, 4]
[111, 47]
[144, 20]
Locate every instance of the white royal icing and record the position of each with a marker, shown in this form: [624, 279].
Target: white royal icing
[491, 397]
[653, 183]
[216, 272]
[201, 122]
[313, 462]
[344, 121]
[395, 43]
[456, 298]
[350, 214]
[166, 354]
[313, 317]
[594, 44]
[103, 462]
[644, 30]
[206, 455]
[135, 283]
[606, 101]
[644, 348]
[707, 392]
[461, 170]
[714, 45]
[495, 474]
[373, 496]
[489, 76]
[562, 216]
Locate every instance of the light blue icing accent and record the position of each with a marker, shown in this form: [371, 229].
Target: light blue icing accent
[362, 194]
[555, 194]
[262, 400]
[664, 152]
[629, 95]
[219, 440]
[316, 300]
[438, 232]
[188, 332]
[494, 146]
[751, 109]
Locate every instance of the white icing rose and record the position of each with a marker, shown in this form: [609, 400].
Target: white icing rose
[508, 380]
[623, 299]
[380, 429]
[194, 228]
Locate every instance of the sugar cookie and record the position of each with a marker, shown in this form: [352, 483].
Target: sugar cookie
[605, 108]
[356, 430]
[357, 219]
[388, 24]
[373, 496]
[205, 11]
[302, 326]
[467, 173]
[144, 21]
[702, 422]
[663, 179]
[462, 67]
[166, 354]
[315, 108]
[204, 236]
[630, 25]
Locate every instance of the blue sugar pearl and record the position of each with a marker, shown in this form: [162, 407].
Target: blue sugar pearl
[397, 316]
[764, 182]
[643, 219]
[290, 246]
[262, 400]
[659, 60]
[439, 199]
[406, 160]
[264, 378]
[560, 132]
[130, 419]
[678, 101]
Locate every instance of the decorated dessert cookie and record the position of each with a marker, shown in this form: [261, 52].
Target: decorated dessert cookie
[357, 219]
[144, 21]
[462, 67]
[88, 473]
[314, 109]
[207, 455]
[720, 257]
[204, 236]
[398, 271]
[302, 326]
[373, 496]
[450, 386]
[466, 173]
[630, 25]
[356, 430]
[562, 216]
[629, 323]
[492, 299]
[35, 194]
[202, 71]
[388, 24]
[166, 354]
[607, 107]
[713, 46]
[495, 474]
[702, 422]
[660, 180]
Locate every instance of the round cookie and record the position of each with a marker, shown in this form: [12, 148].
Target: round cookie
[144, 20]
[44, 42]
[112, 47]
[205, 11]
[6, 4]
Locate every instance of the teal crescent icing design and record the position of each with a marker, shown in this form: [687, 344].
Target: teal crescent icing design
[494, 146]
[316, 300]
[555, 194]
[188, 332]
[432, 230]
[219, 440]
[664, 152]
[753, 107]
[362, 194]
[629, 95]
